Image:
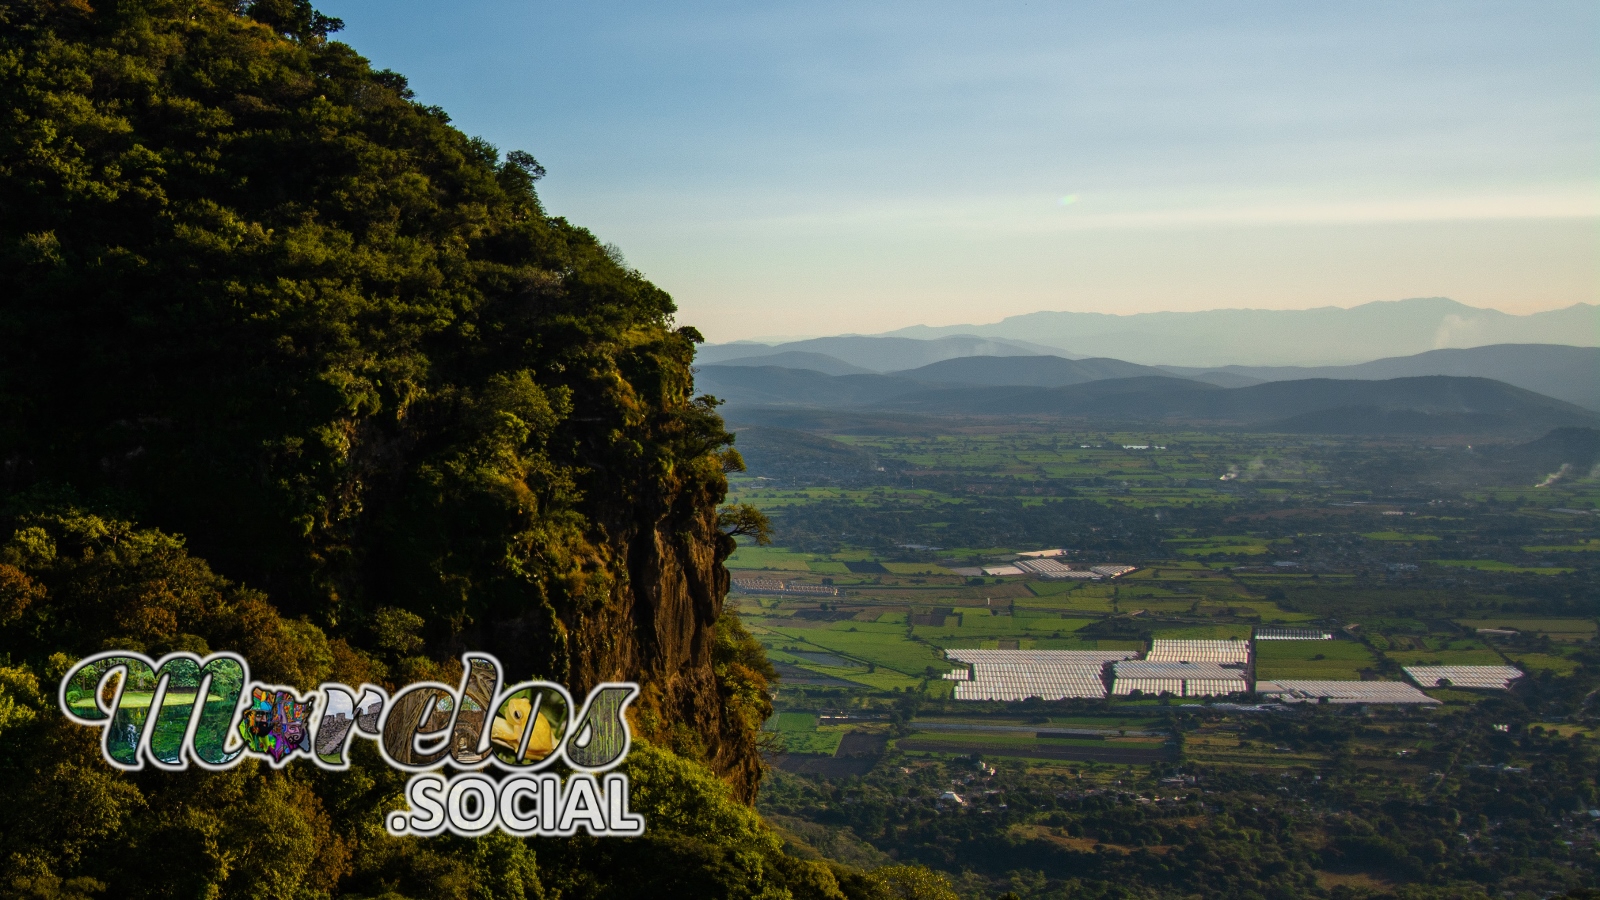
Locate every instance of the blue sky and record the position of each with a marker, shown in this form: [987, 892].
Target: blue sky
[800, 169]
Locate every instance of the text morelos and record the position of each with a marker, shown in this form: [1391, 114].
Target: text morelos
[186, 710]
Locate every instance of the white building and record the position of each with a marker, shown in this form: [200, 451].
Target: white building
[1285, 633]
[1181, 679]
[1020, 674]
[1386, 692]
[1493, 678]
[1236, 652]
[1049, 568]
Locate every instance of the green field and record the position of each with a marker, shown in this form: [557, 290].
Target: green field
[1534, 663]
[800, 722]
[1205, 549]
[1489, 565]
[1590, 545]
[770, 558]
[884, 646]
[1446, 657]
[1200, 632]
[1339, 660]
[1227, 545]
[1401, 536]
[797, 733]
[1556, 629]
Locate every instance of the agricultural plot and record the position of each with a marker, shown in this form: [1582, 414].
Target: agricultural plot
[1068, 600]
[1399, 536]
[770, 559]
[1489, 565]
[1457, 653]
[1536, 663]
[1341, 691]
[1462, 676]
[1118, 750]
[1221, 545]
[1175, 631]
[1554, 629]
[797, 732]
[914, 569]
[883, 646]
[1208, 550]
[1312, 660]
[1586, 545]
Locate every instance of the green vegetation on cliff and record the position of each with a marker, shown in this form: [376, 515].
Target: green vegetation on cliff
[252, 294]
[255, 295]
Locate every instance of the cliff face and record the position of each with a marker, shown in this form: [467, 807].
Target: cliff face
[657, 627]
[252, 293]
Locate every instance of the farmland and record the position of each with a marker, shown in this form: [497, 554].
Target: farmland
[1314, 660]
[1299, 533]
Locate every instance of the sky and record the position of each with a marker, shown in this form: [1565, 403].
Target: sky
[788, 169]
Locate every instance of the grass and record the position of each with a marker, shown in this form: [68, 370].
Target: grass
[1533, 663]
[1200, 632]
[1559, 629]
[1446, 657]
[1489, 565]
[1052, 624]
[770, 558]
[1586, 545]
[1297, 660]
[816, 743]
[1222, 544]
[915, 569]
[884, 679]
[883, 646]
[795, 722]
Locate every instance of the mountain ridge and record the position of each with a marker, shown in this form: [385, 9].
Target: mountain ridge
[1556, 370]
[1564, 372]
[879, 353]
[1436, 404]
[1036, 371]
[1320, 336]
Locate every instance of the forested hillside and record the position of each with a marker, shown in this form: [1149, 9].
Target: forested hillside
[290, 366]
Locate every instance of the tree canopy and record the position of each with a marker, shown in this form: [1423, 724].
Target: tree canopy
[254, 293]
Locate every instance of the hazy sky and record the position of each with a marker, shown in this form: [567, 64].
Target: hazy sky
[816, 168]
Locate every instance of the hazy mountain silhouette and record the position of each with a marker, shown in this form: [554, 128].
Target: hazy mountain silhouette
[1575, 447]
[1564, 372]
[1253, 337]
[877, 354]
[800, 359]
[778, 386]
[1150, 397]
[1037, 371]
[1423, 405]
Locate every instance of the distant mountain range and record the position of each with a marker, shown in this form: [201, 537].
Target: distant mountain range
[1422, 405]
[1565, 373]
[876, 354]
[801, 359]
[1256, 337]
